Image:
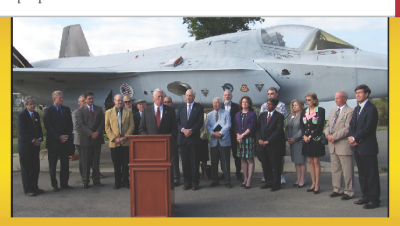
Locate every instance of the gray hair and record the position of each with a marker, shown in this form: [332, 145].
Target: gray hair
[29, 99]
[227, 90]
[219, 100]
[56, 94]
[194, 93]
[80, 98]
[159, 90]
[344, 94]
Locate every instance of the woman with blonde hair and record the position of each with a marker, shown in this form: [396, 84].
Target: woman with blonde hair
[312, 125]
[294, 136]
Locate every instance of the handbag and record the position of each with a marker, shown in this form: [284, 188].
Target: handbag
[323, 139]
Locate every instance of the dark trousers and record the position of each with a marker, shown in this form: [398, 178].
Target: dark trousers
[238, 160]
[222, 153]
[120, 158]
[30, 167]
[368, 175]
[177, 174]
[272, 164]
[53, 155]
[90, 154]
[190, 163]
[78, 147]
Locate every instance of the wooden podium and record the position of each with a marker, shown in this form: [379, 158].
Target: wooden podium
[151, 176]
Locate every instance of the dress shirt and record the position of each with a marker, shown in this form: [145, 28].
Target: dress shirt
[155, 111]
[187, 110]
[57, 108]
[228, 107]
[141, 113]
[90, 107]
[362, 105]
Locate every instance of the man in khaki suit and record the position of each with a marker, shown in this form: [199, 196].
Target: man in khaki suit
[337, 131]
[119, 125]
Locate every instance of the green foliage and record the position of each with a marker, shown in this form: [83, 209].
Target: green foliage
[383, 110]
[384, 169]
[203, 27]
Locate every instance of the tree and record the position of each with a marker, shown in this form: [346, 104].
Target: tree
[203, 27]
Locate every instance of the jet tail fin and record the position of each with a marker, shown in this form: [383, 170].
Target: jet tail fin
[19, 61]
[73, 42]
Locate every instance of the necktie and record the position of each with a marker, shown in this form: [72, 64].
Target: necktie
[158, 117]
[335, 119]
[216, 117]
[91, 112]
[59, 111]
[119, 121]
[34, 126]
[269, 117]
[359, 111]
[189, 111]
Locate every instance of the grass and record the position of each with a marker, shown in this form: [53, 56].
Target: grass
[381, 128]
[384, 169]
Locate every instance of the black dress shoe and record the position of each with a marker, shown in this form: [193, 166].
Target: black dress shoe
[127, 186]
[335, 194]
[85, 186]
[361, 202]
[310, 190]
[242, 185]
[31, 193]
[117, 186]
[317, 192]
[265, 186]
[99, 184]
[195, 187]
[371, 206]
[345, 197]
[213, 184]
[186, 186]
[228, 185]
[295, 185]
[274, 189]
[54, 189]
[66, 187]
[246, 187]
[39, 191]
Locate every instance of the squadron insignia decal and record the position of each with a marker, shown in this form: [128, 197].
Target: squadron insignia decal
[205, 91]
[244, 88]
[227, 86]
[259, 86]
[126, 90]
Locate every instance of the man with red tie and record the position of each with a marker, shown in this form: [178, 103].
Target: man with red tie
[90, 120]
[29, 137]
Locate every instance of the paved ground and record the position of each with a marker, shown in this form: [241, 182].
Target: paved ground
[206, 202]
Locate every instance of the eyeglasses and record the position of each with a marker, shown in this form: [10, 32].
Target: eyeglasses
[167, 102]
[308, 99]
[126, 102]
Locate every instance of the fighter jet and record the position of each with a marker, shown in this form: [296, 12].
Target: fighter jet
[295, 59]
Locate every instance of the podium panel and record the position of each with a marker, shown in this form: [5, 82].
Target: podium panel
[151, 176]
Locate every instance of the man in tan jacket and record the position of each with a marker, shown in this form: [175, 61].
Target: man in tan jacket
[337, 131]
[119, 124]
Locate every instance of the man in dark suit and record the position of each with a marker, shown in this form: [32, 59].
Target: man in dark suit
[58, 123]
[190, 120]
[233, 108]
[177, 174]
[362, 138]
[158, 118]
[269, 134]
[90, 119]
[29, 137]
[140, 104]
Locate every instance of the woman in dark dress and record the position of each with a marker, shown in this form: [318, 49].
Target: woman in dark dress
[245, 127]
[312, 124]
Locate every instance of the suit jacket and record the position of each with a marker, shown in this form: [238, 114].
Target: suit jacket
[111, 126]
[195, 122]
[363, 129]
[136, 120]
[225, 118]
[57, 126]
[273, 132]
[234, 109]
[77, 139]
[168, 124]
[87, 125]
[294, 132]
[341, 131]
[26, 132]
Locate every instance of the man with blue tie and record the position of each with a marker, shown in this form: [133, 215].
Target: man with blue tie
[29, 137]
[218, 126]
[58, 123]
[190, 118]
[362, 138]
